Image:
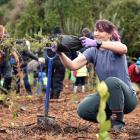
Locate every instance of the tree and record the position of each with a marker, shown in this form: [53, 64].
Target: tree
[31, 19]
[4, 1]
[59, 9]
[33, 16]
[128, 23]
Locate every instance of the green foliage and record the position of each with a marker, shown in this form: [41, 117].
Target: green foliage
[4, 1]
[73, 26]
[1, 13]
[3, 97]
[128, 23]
[30, 22]
[9, 44]
[39, 41]
[33, 16]
[60, 9]
[101, 117]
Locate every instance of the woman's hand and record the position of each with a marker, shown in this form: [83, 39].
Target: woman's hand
[87, 42]
[54, 48]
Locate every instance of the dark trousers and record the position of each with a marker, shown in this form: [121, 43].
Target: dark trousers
[6, 73]
[7, 83]
[26, 83]
[80, 81]
[57, 81]
[121, 98]
[58, 74]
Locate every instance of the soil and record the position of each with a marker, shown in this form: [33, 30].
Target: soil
[18, 119]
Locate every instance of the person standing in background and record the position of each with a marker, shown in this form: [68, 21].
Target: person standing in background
[81, 75]
[87, 33]
[5, 67]
[134, 73]
[58, 70]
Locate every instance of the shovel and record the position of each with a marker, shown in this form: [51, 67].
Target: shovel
[45, 119]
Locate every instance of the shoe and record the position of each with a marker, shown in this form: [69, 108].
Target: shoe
[75, 89]
[29, 92]
[117, 126]
[83, 89]
[117, 122]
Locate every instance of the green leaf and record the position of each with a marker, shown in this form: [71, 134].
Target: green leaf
[105, 126]
[15, 114]
[102, 89]
[104, 136]
[101, 117]
[102, 104]
[2, 97]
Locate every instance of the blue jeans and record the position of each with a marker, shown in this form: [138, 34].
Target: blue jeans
[26, 79]
[121, 98]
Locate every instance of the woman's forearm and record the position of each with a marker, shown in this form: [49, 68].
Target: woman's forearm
[67, 62]
[77, 63]
[115, 46]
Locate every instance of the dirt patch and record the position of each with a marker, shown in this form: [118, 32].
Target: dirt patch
[21, 123]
